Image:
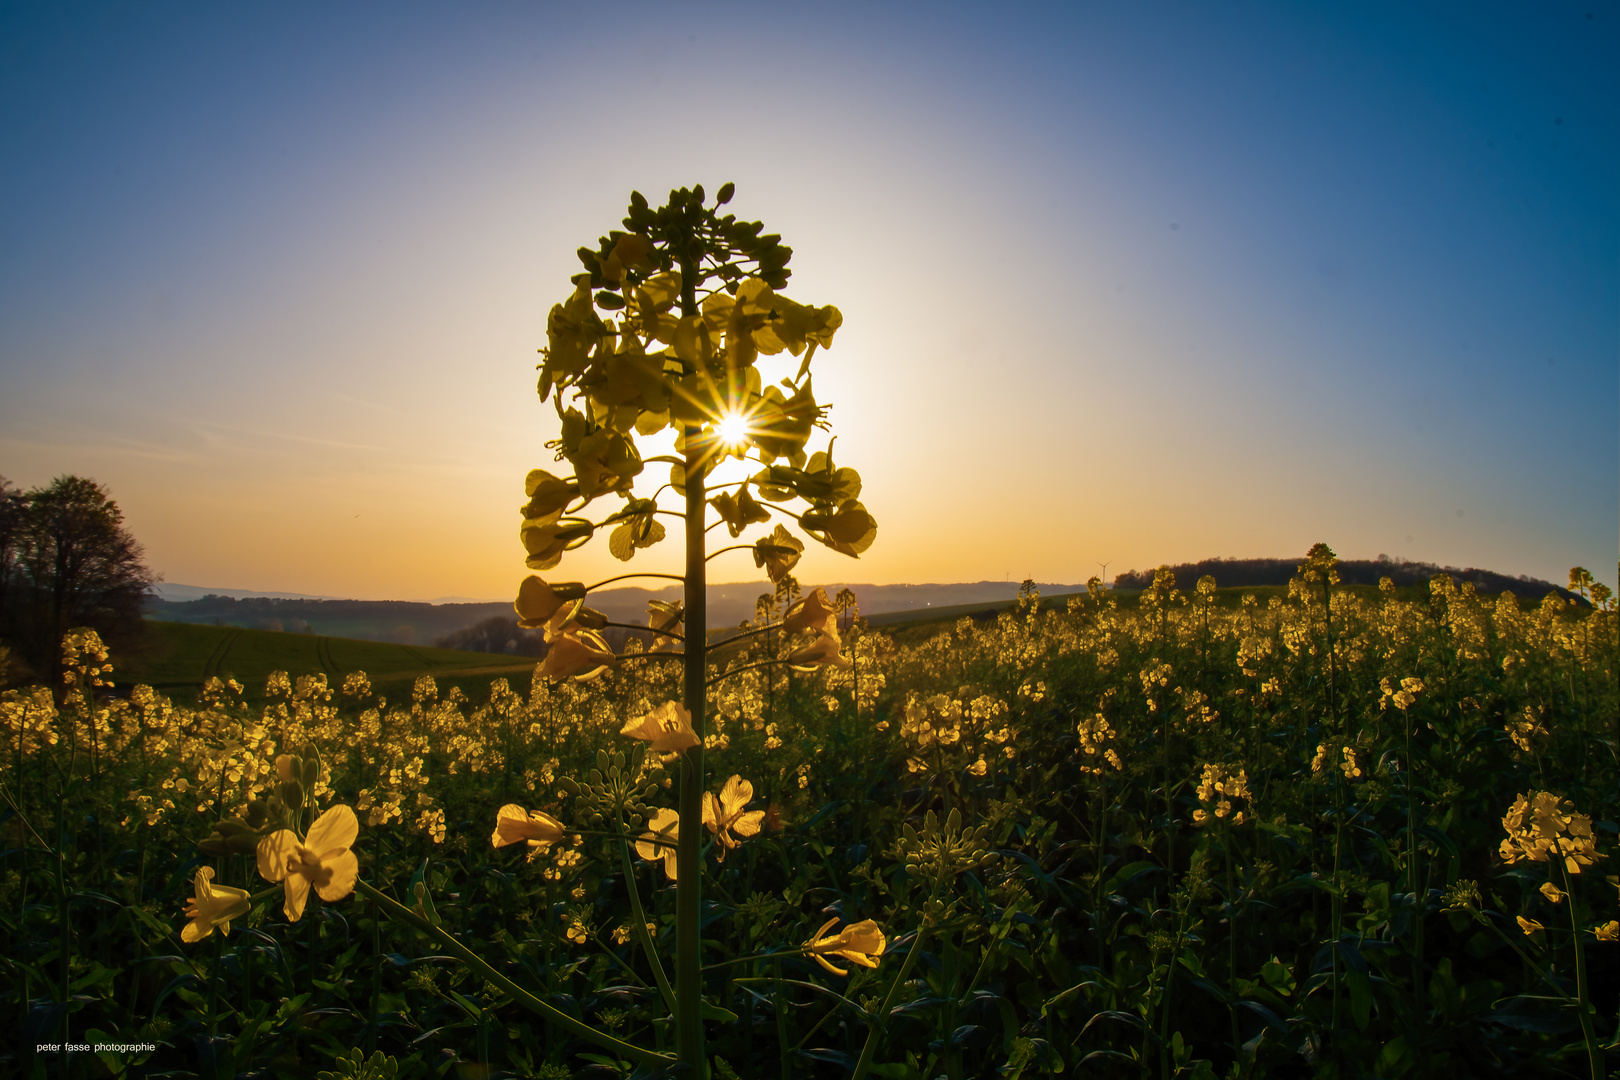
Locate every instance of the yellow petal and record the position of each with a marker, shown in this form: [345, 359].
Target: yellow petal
[273, 852]
[345, 870]
[334, 832]
[736, 794]
[297, 892]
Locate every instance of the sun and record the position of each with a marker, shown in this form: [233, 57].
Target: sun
[732, 429]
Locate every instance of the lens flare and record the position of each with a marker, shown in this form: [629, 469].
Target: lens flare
[732, 429]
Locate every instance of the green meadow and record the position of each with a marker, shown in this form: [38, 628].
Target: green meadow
[180, 657]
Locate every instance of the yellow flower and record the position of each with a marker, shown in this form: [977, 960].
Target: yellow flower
[546, 543]
[664, 618]
[548, 496]
[723, 814]
[660, 842]
[1530, 926]
[1219, 787]
[668, 728]
[1553, 892]
[213, 905]
[1541, 824]
[582, 655]
[739, 511]
[538, 601]
[778, 553]
[811, 613]
[323, 860]
[862, 944]
[513, 823]
[819, 653]
[1609, 931]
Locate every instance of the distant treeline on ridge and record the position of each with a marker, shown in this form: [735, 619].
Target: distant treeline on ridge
[1239, 573]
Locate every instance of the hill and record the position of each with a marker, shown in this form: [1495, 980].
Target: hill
[405, 622]
[179, 657]
[1229, 572]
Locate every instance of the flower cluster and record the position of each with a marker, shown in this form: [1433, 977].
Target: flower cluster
[1095, 735]
[1541, 825]
[1404, 697]
[1219, 786]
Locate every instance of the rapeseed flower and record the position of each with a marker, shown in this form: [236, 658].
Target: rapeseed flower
[723, 814]
[213, 905]
[660, 842]
[668, 728]
[820, 652]
[862, 943]
[322, 860]
[814, 612]
[664, 618]
[537, 601]
[1540, 825]
[778, 553]
[535, 827]
[582, 655]
[1220, 785]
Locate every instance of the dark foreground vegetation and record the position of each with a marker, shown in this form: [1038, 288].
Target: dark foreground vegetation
[1332, 833]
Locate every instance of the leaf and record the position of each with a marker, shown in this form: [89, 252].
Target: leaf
[849, 529]
[1271, 1019]
[1361, 996]
[622, 543]
[1129, 873]
[712, 1011]
[1113, 1014]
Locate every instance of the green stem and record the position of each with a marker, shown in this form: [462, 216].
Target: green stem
[782, 1049]
[881, 1021]
[1583, 1008]
[817, 987]
[689, 843]
[640, 918]
[455, 948]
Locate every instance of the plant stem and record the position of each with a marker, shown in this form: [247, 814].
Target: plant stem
[1583, 1008]
[689, 843]
[881, 1021]
[640, 917]
[455, 948]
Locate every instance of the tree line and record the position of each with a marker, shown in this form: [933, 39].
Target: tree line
[1245, 573]
[66, 560]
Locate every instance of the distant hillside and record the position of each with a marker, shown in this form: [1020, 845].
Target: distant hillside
[180, 656]
[469, 625]
[490, 627]
[1241, 573]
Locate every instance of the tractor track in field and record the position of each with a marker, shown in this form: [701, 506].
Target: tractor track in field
[216, 659]
[323, 656]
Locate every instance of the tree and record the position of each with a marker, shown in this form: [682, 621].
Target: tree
[663, 331]
[66, 560]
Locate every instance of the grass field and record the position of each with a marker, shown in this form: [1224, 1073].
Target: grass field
[181, 656]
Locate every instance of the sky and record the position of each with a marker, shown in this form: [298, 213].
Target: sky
[1122, 284]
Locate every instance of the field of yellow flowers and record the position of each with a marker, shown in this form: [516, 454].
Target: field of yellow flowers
[1338, 834]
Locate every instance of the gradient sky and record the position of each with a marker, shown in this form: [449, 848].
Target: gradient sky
[1135, 283]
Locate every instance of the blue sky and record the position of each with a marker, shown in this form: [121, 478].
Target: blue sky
[1126, 283]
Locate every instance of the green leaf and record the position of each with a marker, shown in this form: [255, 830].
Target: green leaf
[715, 1012]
